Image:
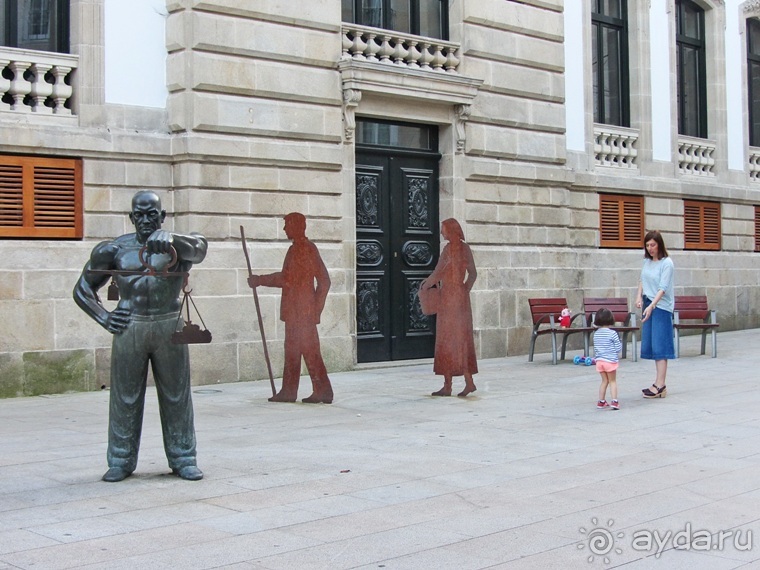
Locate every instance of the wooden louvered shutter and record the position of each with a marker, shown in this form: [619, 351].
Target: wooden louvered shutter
[701, 225]
[40, 197]
[11, 196]
[757, 228]
[621, 221]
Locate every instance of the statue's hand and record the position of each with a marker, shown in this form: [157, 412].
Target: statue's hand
[118, 320]
[253, 281]
[160, 241]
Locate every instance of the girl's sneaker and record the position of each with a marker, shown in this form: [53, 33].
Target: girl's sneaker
[615, 405]
[601, 404]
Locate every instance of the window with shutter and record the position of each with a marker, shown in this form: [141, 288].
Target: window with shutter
[701, 225]
[40, 197]
[621, 221]
[757, 228]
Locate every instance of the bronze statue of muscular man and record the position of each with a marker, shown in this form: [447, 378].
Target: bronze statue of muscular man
[150, 280]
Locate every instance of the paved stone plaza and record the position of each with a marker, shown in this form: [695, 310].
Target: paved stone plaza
[525, 474]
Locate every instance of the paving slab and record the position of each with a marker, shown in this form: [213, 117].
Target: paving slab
[524, 473]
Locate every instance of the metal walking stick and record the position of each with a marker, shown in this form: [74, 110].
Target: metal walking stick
[258, 313]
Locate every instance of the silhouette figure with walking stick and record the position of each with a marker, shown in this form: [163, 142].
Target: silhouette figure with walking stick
[301, 309]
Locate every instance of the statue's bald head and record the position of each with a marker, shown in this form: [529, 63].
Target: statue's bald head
[146, 214]
[145, 197]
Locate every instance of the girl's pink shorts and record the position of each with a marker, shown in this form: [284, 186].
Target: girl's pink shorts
[604, 366]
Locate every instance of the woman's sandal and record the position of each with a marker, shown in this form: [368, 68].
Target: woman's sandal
[656, 393]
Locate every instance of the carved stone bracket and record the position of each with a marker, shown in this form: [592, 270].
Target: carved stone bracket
[462, 116]
[351, 98]
[752, 6]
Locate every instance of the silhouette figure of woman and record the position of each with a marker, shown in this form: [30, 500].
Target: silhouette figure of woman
[455, 275]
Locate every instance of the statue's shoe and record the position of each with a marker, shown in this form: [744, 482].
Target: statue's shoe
[189, 473]
[115, 474]
[318, 399]
[280, 397]
[466, 391]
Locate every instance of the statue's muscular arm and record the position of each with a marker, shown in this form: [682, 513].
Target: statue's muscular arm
[103, 257]
[190, 247]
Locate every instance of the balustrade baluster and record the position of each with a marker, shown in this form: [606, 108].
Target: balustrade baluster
[754, 166]
[358, 46]
[439, 60]
[425, 56]
[372, 48]
[41, 89]
[400, 52]
[386, 51]
[5, 84]
[606, 149]
[346, 44]
[61, 90]
[413, 58]
[20, 86]
[452, 61]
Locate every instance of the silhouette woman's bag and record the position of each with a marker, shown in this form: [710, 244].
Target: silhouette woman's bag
[429, 299]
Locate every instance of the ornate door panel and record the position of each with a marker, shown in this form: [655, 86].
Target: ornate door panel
[397, 241]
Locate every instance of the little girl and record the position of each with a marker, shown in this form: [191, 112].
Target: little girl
[607, 345]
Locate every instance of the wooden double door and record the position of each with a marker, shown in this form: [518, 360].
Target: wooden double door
[397, 247]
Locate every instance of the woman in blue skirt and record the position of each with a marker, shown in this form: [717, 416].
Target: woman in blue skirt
[655, 297]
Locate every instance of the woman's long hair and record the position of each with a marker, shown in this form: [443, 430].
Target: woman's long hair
[453, 229]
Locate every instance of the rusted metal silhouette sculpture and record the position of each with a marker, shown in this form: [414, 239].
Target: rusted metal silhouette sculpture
[300, 308]
[446, 292]
[143, 323]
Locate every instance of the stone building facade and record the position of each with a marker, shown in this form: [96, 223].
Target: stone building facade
[239, 112]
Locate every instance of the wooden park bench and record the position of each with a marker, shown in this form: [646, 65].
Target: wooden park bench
[545, 314]
[625, 320]
[694, 308]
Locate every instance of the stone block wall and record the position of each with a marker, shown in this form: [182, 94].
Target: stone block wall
[255, 128]
[255, 105]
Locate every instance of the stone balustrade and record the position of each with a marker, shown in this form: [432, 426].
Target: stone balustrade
[754, 164]
[394, 48]
[615, 146]
[695, 156]
[36, 81]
